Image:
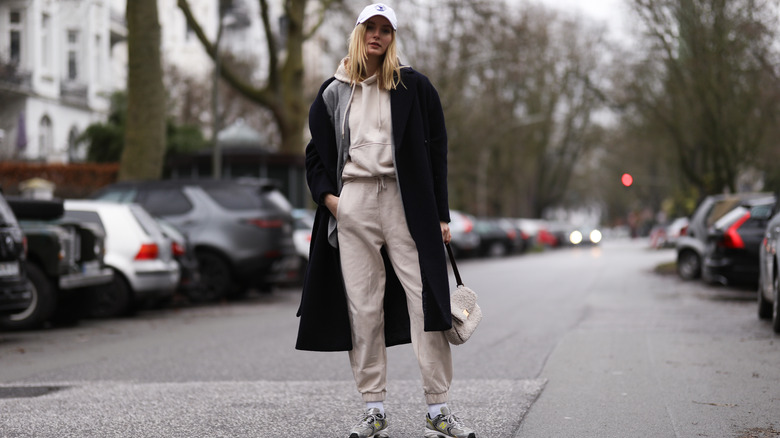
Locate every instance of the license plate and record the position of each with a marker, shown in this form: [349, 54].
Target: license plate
[9, 269]
[90, 267]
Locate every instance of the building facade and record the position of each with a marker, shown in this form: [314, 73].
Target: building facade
[55, 75]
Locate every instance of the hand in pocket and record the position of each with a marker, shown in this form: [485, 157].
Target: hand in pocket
[332, 202]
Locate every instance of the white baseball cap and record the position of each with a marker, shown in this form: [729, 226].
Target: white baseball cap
[378, 9]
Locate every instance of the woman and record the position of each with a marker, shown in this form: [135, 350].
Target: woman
[377, 276]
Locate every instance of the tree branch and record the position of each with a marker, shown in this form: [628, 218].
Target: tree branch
[261, 96]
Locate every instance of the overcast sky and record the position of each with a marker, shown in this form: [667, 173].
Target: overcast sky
[613, 12]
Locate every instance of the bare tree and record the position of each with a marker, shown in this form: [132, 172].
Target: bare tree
[709, 84]
[282, 92]
[519, 101]
[142, 156]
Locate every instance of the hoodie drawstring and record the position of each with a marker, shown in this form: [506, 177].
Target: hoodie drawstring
[380, 184]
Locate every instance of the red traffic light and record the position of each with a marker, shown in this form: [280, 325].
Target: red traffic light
[627, 179]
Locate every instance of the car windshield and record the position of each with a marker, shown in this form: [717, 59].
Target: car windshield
[730, 217]
[118, 195]
[247, 197]
[762, 211]
[86, 216]
[147, 222]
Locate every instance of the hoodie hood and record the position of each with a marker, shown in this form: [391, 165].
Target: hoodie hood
[341, 72]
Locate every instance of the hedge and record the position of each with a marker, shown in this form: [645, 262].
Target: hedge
[73, 180]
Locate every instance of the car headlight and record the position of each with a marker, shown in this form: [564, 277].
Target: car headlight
[575, 237]
[595, 236]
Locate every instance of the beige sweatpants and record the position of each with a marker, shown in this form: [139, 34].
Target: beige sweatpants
[370, 215]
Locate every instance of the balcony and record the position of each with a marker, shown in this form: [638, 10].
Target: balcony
[74, 93]
[13, 79]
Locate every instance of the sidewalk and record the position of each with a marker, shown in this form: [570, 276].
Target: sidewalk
[246, 409]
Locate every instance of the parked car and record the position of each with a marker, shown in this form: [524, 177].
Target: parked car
[734, 241]
[304, 221]
[64, 259]
[241, 229]
[691, 246]
[521, 241]
[769, 272]
[16, 291]
[494, 240]
[465, 240]
[184, 254]
[136, 250]
[666, 235]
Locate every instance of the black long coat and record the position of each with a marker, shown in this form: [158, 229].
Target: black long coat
[420, 141]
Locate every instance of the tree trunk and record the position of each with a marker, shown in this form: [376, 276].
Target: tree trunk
[144, 151]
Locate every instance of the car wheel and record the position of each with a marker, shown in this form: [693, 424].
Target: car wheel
[215, 276]
[688, 265]
[764, 307]
[112, 299]
[42, 306]
[496, 249]
[776, 305]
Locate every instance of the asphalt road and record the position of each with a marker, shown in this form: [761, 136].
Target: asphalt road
[585, 342]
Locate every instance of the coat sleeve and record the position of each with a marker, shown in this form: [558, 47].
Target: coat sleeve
[438, 150]
[320, 150]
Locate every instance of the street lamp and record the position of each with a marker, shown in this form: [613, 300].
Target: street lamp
[216, 153]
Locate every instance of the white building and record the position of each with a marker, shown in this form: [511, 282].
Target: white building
[60, 60]
[55, 75]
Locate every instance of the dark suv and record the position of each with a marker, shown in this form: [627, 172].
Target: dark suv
[64, 258]
[15, 289]
[241, 229]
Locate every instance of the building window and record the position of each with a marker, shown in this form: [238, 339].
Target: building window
[74, 151]
[45, 140]
[46, 42]
[73, 55]
[15, 37]
[98, 64]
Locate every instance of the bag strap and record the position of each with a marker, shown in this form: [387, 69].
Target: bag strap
[454, 266]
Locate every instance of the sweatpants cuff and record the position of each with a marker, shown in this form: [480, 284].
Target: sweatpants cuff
[374, 396]
[437, 398]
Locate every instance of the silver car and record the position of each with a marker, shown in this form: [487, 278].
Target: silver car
[136, 249]
[241, 229]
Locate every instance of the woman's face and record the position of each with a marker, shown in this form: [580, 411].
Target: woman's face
[379, 35]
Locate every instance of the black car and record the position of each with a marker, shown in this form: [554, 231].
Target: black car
[495, 240]
[692, 243]
[241, 230]
[734, 241]
[15, 290]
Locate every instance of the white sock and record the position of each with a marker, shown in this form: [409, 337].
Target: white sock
[379, 405]
[435, 409]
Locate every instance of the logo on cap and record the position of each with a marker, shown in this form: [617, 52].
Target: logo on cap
[380, 7]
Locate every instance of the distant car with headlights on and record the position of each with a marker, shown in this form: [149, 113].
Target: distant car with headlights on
[585, 236]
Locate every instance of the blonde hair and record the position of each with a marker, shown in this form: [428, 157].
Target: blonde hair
[389, 74]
